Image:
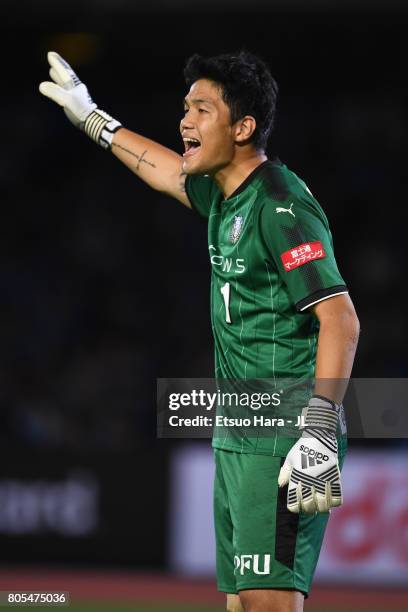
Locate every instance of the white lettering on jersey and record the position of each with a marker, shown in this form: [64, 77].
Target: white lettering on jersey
[240, 266]
[229, 264]
[216, 260]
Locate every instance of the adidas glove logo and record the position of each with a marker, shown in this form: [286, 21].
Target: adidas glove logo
[310, 457]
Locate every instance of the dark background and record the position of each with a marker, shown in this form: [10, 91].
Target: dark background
[104, 283]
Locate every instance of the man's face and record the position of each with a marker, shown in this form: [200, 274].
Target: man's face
[206, 130]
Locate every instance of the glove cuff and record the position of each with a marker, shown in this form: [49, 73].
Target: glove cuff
[322, 414]
[101, 127]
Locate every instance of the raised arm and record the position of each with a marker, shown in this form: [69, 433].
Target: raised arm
[158, 166]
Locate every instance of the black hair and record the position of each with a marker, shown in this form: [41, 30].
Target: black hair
[247, 86]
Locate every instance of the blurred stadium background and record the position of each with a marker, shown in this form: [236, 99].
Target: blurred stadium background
[104, 288]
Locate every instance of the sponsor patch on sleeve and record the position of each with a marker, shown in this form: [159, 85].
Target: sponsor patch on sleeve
[302, 254]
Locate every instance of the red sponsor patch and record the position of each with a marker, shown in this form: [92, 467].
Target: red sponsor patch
[302, 254]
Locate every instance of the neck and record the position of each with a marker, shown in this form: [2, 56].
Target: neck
[230, 177]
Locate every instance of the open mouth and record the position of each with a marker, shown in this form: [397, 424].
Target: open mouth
[191, 145]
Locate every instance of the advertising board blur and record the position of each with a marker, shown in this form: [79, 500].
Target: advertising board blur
[367, 538]
[78, 508]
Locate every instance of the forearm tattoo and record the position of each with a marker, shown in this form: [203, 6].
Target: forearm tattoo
[141, 159]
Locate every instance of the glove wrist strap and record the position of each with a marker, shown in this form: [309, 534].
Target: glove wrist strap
[322, 414]
[101, 127]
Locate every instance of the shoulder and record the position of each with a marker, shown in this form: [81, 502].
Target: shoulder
[202, 192]
[285, 199]
[201, 183]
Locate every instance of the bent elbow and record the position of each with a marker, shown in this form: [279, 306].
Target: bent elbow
[351, 325]
[355, 328]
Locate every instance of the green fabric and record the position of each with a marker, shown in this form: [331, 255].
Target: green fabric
[267, 336]
[251, 519]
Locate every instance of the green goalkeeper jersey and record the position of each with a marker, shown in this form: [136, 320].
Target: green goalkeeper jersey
[271, 254]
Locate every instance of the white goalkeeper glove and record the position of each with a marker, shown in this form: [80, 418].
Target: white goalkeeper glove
[311, 467]
[68, 91]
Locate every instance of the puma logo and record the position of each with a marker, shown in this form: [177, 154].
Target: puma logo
[279, 209]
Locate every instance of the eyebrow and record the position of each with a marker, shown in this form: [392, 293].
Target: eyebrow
[197, 101]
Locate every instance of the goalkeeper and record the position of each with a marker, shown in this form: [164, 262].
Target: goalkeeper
[279, 308]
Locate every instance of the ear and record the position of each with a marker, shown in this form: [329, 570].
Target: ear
[244, 128]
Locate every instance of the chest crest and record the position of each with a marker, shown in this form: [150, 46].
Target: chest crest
[236, 229]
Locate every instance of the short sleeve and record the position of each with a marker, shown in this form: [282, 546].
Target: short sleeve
[299, 242]
[201, 191]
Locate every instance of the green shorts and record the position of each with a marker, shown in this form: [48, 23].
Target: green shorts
[259, 543]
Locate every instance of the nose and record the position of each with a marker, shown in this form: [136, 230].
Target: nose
[186, 123]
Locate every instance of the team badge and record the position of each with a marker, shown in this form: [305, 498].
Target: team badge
[236, 228]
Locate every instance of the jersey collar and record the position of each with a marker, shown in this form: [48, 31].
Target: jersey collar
[251, 177]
